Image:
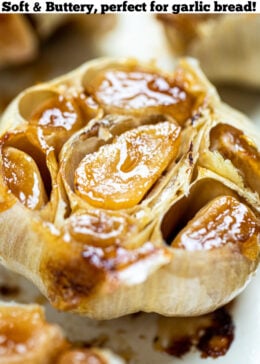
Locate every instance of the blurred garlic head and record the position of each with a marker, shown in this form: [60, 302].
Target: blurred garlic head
[26, 337]
[21, 35]
[213, 40]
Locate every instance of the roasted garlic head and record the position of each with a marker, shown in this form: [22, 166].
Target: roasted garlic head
[126, 188]
[213, 40]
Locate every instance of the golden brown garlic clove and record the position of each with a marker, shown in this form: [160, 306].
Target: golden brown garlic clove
[59, 117]
[222, 221]
[81, 356]
[23, 178]
[25, 336]
[234, 145]
[133, 90]
[99, 228]
[119, 174]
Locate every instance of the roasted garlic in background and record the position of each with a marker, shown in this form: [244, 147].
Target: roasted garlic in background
[18, 43]
[26, 338]
[126, 188]
[227, 46]
[21, 35]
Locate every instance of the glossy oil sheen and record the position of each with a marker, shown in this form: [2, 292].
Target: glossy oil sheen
[23, 178]
[233, 144]
[99, 228]
[119, 174]
[224, 220]
[17, 330]
[57, 112]
[135, 90]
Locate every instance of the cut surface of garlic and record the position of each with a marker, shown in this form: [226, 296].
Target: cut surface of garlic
[131, 189]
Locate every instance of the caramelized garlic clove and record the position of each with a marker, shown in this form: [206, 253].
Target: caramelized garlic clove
[26, 337]
[222, 221]
[89, 355]
[133, 90]
[80, 356]
[58, 112]
[234, 145]
[23, 178]
[56, 116]
[118, 175]
[99, 228]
